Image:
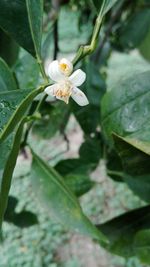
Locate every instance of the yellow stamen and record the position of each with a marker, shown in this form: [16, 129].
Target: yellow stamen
[63, 66]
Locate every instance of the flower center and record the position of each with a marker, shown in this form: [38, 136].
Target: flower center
[64, 91]
[65, 68]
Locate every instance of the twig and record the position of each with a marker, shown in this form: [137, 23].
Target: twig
[88, 49]
[115, 16]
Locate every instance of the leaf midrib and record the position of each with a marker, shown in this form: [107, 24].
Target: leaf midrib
[63, 188]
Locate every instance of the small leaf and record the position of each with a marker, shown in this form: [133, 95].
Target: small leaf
[7, 81]
[73, 166]
[59, 200]
[79, 183]
[22, 19]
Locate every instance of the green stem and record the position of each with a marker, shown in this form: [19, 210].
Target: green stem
[30, 124]
[88, 49]
[42, 70]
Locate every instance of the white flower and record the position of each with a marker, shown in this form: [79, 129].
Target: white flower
[65, 84]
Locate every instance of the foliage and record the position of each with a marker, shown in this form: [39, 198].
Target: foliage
[115, 124]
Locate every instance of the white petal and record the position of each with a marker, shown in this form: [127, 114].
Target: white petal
[65, 66]
[50, 90]
[79, 97]
[77, 78]
[54, 71]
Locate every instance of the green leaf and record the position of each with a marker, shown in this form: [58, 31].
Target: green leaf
[72, 166]
[5, 148]
[122, 230]
[13, 105]
[54, 118]
[134, 31]
[7, 81]
[8, 170]
[104, 5]
[23, 21]
[84, 116]
[59, 200]
[126, 110]
[27, 72]
[142, 246]
[144, 47]
[114, 166]
[79, 183]
[90, 150]
[137, 178]
[35, 12]
[94, 87]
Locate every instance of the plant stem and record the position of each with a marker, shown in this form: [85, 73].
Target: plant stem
[42, 70]
[88, 49]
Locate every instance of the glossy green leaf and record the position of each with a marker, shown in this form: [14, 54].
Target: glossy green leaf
[35, 12]
[122, 230]
[22, 19]
[27, 72]
[5, 148]
[7, 81]
[8, 171]
[104, 5]
[134, 31]
[13, 104]
[59, 200]
[126, 110]
[79, 183]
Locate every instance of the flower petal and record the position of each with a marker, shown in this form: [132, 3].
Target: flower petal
[54, 71]
[79, 97]
[51, 90]
[77, 78]
[65, 66]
